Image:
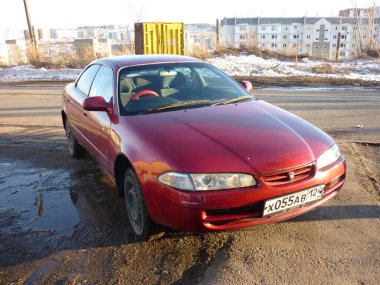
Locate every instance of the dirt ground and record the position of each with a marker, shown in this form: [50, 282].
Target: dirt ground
[63, 223]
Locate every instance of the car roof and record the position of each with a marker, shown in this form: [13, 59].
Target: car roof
[118, 62]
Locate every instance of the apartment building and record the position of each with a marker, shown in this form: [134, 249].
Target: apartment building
[199, 36]
[361, 12]
[16, 51]
[13, 48]
[111, 32]
[101, 47]
[312, 36]
[3, 51]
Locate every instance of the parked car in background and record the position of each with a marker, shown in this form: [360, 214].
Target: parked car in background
[192, 149]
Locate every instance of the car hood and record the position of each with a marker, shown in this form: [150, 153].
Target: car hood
[254, 137]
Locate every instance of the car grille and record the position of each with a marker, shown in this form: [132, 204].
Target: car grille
[285, 177]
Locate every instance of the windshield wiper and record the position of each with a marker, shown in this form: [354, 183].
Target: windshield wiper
[176, 105]
[233, 100]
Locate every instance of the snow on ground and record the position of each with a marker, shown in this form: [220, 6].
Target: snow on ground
[243, 65]
[28, 73]
[252, 65]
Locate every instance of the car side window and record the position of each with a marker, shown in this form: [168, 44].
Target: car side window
[85, 81]
[103, 84]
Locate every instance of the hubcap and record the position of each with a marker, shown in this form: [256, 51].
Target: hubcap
[134, 208]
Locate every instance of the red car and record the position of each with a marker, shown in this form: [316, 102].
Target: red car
[193, 150]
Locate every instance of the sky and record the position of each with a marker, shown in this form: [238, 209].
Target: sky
[74, 13]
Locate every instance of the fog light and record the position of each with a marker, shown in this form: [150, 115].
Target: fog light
[333, 182]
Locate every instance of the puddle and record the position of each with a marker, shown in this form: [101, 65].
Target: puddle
[58, 199]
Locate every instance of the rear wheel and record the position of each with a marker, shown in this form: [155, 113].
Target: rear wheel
[76, 150]
[142, 225]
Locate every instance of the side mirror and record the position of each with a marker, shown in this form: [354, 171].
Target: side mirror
[97, 103]
[247, 86]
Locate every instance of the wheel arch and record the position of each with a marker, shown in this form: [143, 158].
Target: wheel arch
[64, 117]
[122, 163]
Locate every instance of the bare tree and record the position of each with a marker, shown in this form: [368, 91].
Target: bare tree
[136, 12]
[363, 22]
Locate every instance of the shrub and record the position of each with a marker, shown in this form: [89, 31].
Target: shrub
[34, 57]
[123, 50]
[254, 49]
[373, 53]
[198, 52]
[71, 59]
[323, 68]
[221, 50]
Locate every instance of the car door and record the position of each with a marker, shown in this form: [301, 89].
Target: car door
[98, 123]
[74, 104]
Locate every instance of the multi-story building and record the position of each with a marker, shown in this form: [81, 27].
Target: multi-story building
[111, 32]
[312, 36]
[361, 12]
[3, 51]
[199, 35]
[62, 34]
[13, 47]
[101, 47]
[14, 35]
[16, 51]
[3, 55]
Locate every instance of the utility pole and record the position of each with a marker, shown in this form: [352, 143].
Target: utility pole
[30, 27]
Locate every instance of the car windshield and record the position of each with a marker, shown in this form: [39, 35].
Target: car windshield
[172, 86]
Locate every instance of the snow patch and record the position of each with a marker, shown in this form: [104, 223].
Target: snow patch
[243, 65]
[28, 73]
[252, 65]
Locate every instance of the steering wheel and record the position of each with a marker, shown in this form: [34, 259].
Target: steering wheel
[142, 93]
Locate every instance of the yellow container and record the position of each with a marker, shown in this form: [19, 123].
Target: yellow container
[159, 38]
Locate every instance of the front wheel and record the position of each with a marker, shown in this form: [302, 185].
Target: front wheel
[138, 215]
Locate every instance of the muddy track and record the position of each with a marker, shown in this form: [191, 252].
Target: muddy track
[101, 230]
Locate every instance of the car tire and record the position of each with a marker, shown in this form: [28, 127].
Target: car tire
[141, 223]
[76, 150]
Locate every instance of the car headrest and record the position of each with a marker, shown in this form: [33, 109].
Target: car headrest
[174, 81]
[126, 85]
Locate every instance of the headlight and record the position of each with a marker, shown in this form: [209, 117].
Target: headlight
[222, 181]
[204, 182]
[329, 156]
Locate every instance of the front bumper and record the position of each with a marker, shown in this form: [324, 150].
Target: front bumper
[237, 208]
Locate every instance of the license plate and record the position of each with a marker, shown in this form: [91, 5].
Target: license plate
[293, 200]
